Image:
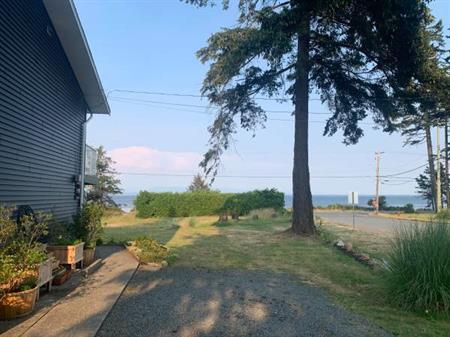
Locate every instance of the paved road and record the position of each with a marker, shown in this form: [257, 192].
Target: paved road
[187, 302]
[363, 220]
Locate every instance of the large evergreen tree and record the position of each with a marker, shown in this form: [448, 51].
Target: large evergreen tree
[198, 184]
[108, 184]
[426, 189]
[429, 92]
[358, 56]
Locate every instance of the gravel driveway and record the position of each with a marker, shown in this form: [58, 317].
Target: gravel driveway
[195, 302]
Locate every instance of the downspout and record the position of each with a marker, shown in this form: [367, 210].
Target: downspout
[83, 159]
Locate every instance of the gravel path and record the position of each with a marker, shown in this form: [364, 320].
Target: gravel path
[195, 302]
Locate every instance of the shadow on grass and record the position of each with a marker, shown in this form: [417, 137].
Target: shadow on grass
[162, 231]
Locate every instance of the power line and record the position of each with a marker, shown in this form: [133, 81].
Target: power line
[128, 99]
[158, 174]
[160, 93]
[210, 114]
[404, 172]
[278, 99]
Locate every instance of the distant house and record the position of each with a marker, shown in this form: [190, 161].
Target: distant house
[49, 87]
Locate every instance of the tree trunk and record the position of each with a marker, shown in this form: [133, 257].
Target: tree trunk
[447, 190]
[430, 160]
[303, 218]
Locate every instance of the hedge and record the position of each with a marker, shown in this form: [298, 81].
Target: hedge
[167, 204]
[243, 203]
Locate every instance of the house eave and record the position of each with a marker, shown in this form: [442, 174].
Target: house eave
[68, 27]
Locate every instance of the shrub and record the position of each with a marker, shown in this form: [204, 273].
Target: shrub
[20, 250]
[243, 203]
[409, 208]
[151, 251]
[88, 224]
[150, 204]
[419, 267]
[263, 213]
[62, 234]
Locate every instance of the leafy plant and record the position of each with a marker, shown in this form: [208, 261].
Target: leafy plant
[88, 224]
[150, 250]
[150, 204]
[419, 267]
[7, 226]
[243, 203]
[61, 234]
[21, 252]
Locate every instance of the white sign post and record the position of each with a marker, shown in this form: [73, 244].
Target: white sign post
[353, 200]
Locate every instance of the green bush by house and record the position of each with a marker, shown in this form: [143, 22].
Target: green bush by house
[167, 204]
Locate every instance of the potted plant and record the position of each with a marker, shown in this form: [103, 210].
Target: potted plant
[64, 245]
[20, 257]
[88, 224]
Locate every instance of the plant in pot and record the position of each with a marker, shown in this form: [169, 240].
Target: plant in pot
[65, 245]
[31, 229]
[88, 224]
[20, 257]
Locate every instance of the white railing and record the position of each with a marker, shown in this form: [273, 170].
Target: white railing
[91, 161]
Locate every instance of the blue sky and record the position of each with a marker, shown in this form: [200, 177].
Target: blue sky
[150, 46]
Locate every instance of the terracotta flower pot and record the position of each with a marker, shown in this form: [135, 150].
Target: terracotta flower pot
[18, 304]
[88, 256]
[61, 277]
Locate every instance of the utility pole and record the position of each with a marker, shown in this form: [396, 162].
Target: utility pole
[438, 170]
[377, 187]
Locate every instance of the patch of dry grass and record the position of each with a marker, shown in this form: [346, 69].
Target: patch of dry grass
[426, 217]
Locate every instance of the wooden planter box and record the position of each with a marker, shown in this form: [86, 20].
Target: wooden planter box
[88, 256]
[45, 272]
[19, 304]
[71, 254]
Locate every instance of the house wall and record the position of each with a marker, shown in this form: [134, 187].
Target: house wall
[41, 113]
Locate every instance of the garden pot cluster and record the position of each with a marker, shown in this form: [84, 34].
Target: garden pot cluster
[26, 264]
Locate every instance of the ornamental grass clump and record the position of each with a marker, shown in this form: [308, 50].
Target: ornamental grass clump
[419, 268]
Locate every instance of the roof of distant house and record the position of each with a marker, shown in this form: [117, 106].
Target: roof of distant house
[68, 27]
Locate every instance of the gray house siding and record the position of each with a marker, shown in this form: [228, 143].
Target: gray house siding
[41, 113]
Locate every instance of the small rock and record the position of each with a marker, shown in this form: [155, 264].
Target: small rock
[340, 244]
[364, 258]
[348, 247]
[164, 264]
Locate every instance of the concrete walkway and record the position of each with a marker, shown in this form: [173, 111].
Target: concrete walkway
[81, 313]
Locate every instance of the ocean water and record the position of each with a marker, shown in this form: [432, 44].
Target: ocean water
[126, 200]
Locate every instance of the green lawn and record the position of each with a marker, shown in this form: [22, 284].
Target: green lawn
[263, 245]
